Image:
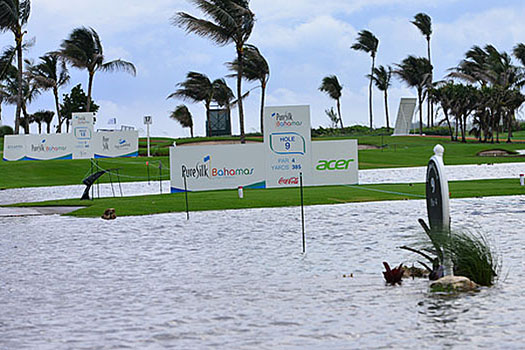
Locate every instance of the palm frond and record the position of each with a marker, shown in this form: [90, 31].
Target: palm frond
[119, 65]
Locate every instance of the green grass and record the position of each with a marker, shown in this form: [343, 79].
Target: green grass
[262, 198]
[402, 151]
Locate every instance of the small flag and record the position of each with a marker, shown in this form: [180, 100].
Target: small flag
[207, 158]
[112, 121]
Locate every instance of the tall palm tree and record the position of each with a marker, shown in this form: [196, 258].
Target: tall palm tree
[255, 68]
[14, 15]
[423, 22]
[415, 72]
[231, 21]
[382, 77]
[367, 42]
[83, 49]
[182, 115]
[331, 86]
[51, 73]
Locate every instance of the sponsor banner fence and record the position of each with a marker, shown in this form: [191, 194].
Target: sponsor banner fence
[217, 167]
[81, 143]
[334, 162]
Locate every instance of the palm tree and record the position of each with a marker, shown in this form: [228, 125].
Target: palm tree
[367, 42]
[331, 86]
[14, 15]
[83, 49]
[424, 23]
[416, 72]
[382, 77]
[255, 68]
[183, 116]
[51, 73]
[231, 21]
[199, 88]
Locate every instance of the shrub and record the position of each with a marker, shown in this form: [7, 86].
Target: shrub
[6, 130]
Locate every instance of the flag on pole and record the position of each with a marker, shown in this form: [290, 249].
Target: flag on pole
[112, 121]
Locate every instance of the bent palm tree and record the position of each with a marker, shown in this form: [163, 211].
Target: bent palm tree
[83, 49]
[416, 72]
[50, 73]
[331, 86]
[424, 23]
[255, 68]
[14, 15]
[367, 42]
[381, 78]
[230, 21]
[182, 115]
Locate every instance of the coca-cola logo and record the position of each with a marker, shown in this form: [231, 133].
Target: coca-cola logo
[290, 181]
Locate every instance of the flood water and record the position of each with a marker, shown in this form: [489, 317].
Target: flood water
[238, 280]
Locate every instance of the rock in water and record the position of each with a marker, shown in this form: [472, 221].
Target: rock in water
[109, 214]
[453, 284]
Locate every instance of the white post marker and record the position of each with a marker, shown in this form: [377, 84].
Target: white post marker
[147, 121]
[522, 179]
[438, 198]
[241, 193]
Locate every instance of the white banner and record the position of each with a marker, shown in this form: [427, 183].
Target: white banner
[108, 144]
[37, 147]
[217, 167]
[83, 133]
[334, 162]
[288, 145]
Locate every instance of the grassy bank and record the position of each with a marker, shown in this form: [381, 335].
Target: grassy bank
[391, 152]
[228, 199]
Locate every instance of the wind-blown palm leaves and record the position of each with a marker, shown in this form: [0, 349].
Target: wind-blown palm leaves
[255, 68]
[83, 50]
[230, 21]
[331, 86]
[424, 23]
[182, 115]
[382, 79]
[416, 72]
[14, 15]
[366, 41]
[199, 88]
[50, 74]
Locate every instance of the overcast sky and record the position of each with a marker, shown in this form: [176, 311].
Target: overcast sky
[303, 41]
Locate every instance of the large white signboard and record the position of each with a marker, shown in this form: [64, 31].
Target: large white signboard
[217, 167]
[83, 133]
[288, 145]
[334, 162]
[116, 144]
[81, 143]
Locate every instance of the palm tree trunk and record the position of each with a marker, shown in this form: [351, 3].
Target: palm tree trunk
[509, 127]
[239, 92]
[463, 129]
[191, 131]
[49, 128]
[386, 112]
[19, 37]
[430, 106]
[449, 126]
[90, 85]
[57, 106]
[263, 96]
[26, 118]
[339, 112]
[420, 100]
[370, 93]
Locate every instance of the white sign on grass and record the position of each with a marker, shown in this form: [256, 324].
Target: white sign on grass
[334, 162]
[288, 145]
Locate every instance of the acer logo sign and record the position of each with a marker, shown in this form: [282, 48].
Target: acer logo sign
[341, 164]
[290, 181]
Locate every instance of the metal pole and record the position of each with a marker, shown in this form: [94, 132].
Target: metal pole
[147, 167]
[91, 171]
[186, 194]
[119, 185]
[160, 176]
[147, 127]
[98, 183]
[112, 190]
[302, 211]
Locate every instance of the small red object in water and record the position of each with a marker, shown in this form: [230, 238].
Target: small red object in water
[394, 275]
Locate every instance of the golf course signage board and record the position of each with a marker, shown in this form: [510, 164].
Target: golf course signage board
[437, 192]
[81, 143]
[287, 152]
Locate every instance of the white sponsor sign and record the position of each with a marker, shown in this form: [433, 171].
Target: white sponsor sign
[334, 163]
[116, 144]
[81, 143]
[288, 144]
[217, 167]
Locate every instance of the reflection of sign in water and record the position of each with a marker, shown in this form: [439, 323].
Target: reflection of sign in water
[287, 143]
